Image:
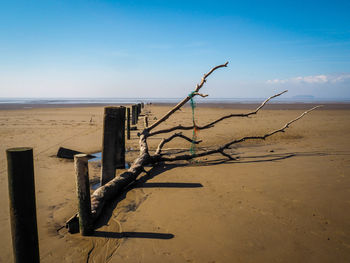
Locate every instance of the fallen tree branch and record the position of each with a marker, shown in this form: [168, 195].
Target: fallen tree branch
[211, 124]
[121, 182]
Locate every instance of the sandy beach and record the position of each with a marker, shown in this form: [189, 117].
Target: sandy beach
[286, 199]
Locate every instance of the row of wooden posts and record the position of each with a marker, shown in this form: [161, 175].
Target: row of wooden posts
[22, 187]
[113, 145]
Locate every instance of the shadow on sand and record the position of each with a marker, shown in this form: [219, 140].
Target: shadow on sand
[147, 235]
[163, 167]
[140, 183]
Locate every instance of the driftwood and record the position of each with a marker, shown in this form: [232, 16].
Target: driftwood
[69, 154]
[116, 186]
[66, 153]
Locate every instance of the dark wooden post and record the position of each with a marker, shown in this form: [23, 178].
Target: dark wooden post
[83, 191]
[113, 151]
[145, 121]
[134, 114]
[139, 108]
[22, 204]
[128, 123]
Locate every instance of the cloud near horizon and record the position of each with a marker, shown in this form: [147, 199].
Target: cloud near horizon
[315, 79]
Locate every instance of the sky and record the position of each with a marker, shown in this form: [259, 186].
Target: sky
[161, 49]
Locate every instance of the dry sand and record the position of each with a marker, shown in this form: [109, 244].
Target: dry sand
[286, 199]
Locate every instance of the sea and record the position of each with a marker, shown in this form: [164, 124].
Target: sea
[104, 101]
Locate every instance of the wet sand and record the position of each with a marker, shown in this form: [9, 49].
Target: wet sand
[286, 199]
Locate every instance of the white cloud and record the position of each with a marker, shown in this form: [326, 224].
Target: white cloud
[316, 79]
[276, 81]
[341, 78]
[312, 79]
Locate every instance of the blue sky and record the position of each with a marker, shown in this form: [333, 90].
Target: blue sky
[162, 48]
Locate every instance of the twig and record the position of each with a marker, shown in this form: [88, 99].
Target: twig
[200, 94]
[164, 141]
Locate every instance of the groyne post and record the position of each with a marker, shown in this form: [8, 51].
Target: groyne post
[21, 188]
[83, 192]
[139, 109]
[145, 121]
[134, 114]
[137, 113]
[113, 145]
[128, 123]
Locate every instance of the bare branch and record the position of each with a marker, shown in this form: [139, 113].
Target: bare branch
[263, 104]
[227, 145]
[271, 133]
[183, 102]
[211, 124]
[178, 127]
[289, 123]
[200, 94]
[164, 141]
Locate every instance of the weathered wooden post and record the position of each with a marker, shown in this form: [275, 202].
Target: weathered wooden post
[145, 121]
[128, 123]
[113, 151]
[83, 191]
[134, 114]
[139, 108]
[142, 105]
[21, 187]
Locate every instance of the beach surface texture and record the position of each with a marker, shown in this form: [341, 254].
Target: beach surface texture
[285, 199]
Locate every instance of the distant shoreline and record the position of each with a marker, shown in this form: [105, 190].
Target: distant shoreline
[121, 101]
[230, 105]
